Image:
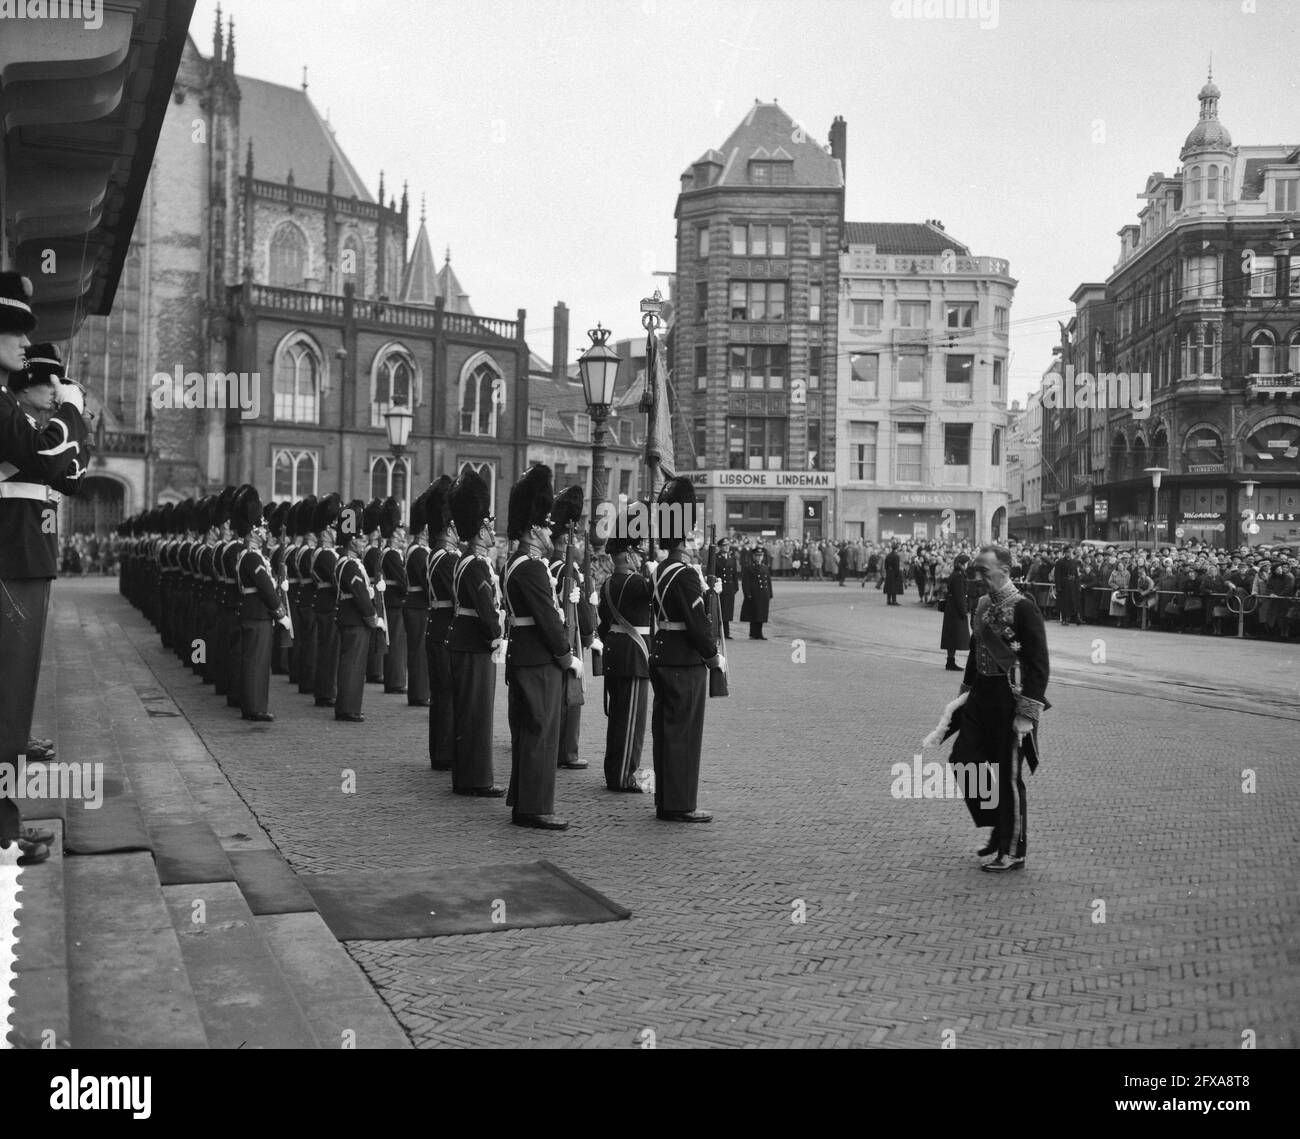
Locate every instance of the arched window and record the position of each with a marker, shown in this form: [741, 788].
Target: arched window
[1261, 353]
[352, 265]
[297, 385]
[1212, 183]
[295, 474]
[1272, 445]
[482, 393]
[393, 379]
[488, 473]
[1224, 181]
[1293, 353]
[288, 256]
[1203, 450]
[1194, 184]
[390, 476]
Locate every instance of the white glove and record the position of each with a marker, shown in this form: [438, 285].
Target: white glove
[576, 667]
[70, 394]
[380, 586]
[593, 599]
[575, 595]
[597, 645]
[721, 662]
[717, 586]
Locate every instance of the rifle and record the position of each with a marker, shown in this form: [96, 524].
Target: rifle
[377, 592]
[282, 587]
[589, 583]
[572, 685]
[713, 605]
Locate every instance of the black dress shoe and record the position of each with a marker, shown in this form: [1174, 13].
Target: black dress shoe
[541, 822]
[630, 790]
[439, 766]
[233, 703]
[260, 717]
[419, 703]
[952, 666]
[321, 702]
[990, 847]
[1003, 863]
[401, 691]
[481, 792]
[581, 765]
[684, 816]
[350, 717]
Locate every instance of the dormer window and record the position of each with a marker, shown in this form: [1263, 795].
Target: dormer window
[766, 173]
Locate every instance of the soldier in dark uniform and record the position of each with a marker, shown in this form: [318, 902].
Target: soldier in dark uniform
[538, 656]
[374, 553]
[729, 575]
[293, 549]
[234, 632]
[184, 586]
[259, 606]
[624, 629]
[998, 725]
[569, 589]
[357, 615]
[31, 461]
[392, 569]
[893, 575]
[683, 652]
[308, 640]
[954, 638]
[206, 563]
[326, 600]
[415, 605]
[442, 565]
[1065, 576]
[278, 543]
[756, 580]
[474, 637]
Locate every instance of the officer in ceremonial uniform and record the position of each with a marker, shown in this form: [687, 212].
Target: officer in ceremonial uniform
[474, 636]
[756, 581]
[183, 634]
[624, 629]
[205, 563]
[230, 553]
[218, 649]
[1006, 678]
[305, 619]
[392, 568]
[684, 650]
[326, 600]
[259, 606]
[30, 460]
[293, 583]
[357, 615]
[729, 576]
[373, 555]
[415, 605]
[278, 543]
[570, 591]
[442, 565]
[538, 658]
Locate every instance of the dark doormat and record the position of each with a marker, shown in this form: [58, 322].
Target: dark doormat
[383, 905]
[113, 827]
[268, 883]
[186, 853]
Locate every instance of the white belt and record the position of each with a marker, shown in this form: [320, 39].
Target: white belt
[37, 492]
[672, 626]
[248, 589]
[520, 622]
[442, 604]
[644, 630]
[465, 611]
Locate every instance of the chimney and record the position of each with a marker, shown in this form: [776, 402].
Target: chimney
[839, 141]
[560, 342]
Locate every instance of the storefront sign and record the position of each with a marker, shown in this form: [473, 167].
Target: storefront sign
[764, 480]
[1101, 510]
[1274, 517]
[928, 499]
[1211, 515]
[1077, 505]
[1206, 468]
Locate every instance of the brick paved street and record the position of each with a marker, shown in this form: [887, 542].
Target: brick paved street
[1138, 805]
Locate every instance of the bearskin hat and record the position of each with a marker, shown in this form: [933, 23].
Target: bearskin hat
[307, 515]
[390, 516]
[630, 531]
[470, 502]
[437, 505]
[268, 508]
[674, 525]
[247, 511]
[183, 517]
[279, 521]
[225, 504]
[419, 519]
[370, 516]
[353, 521]
[566, 509]
[326, 512]
[531, 499]
[165, 514]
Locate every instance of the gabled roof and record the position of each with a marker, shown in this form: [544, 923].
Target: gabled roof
[456, 299]
[420, 286]
[902, 238]
[288, 134]
[767, 129]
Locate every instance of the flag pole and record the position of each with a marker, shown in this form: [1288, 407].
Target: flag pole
[651, 307]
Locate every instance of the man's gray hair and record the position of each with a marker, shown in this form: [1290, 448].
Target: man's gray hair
[1001, 553]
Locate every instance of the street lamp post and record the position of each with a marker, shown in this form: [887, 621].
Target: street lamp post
[1156, 474]
[397, 419]
[1249, 526]
[598, 366]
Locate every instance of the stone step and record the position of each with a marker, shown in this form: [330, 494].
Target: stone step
[40, 1016]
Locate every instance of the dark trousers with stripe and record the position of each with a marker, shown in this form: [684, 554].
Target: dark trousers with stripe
[279, 649]
[570, 731]
[255, 668]
[535, 693]
[24, 606]
[395, 660]
[415, 622]
[207, 634]
[327, 655]
[353, 642]
[307, 648]
[295, 644]
[219, 651]
[234, 661]
[987, 737]
[442, 707]
[677, 728]
[474, 690]
[165, 608]
[375, 657]
[627, 699]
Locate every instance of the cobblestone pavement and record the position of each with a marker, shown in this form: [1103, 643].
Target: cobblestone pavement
[1139, 806]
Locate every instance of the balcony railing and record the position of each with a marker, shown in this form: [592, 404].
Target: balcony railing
[122, 443]
[1277, 383]
[296, 300]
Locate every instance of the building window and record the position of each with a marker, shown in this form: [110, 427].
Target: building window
[1212, 184]
[482, 392]
[288, 266]
[758, 300]
[995, 455]
[769, 173]
[352, 265]
[701, 301]
[960, 316]
[701, 442]
[1293, 286]
[960, 369]
[389, 477]
[956, 444]
[295, 474]
[582, 427]
[758, 367]
[911, 376]
[814, 367]
[913, 314]
[392, 383]
[756, 514]
[862, 451]
[701, 367]
[488, 473]
[1284, 195]
[756, 443]
[1201, 276]
[999, 370]
[814, 444]
[1209, 351]
[1261, 353]
[1293, 354]
[537, 421]
[297, 380]
[866, 314]
[1194, 184]
[701, 241]
[815, 241]
[1263, 277]
[910, 443]
[865, 369]
[814, 301]
[1001, 319]
[758, 240]
[625, 483]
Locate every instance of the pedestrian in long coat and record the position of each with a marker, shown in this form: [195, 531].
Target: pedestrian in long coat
[893, 575]
[756, 582]
[955, 637]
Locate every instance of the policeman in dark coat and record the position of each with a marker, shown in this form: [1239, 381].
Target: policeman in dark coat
[415, 605]
[443, 556]
[573, 598]
[305, 622]
[624, 629]
[357, 615]
[893, 575]
[1065, 576]
[31, 461]
[756, 581]
[955, 637]
[1006, 678]
[475, 634]
[259, 607]
[392, 568]
[326, 685]
[538, 657]
[684, 650]
[729, 575]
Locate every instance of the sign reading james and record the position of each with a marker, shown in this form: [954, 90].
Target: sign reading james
[764, 480]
